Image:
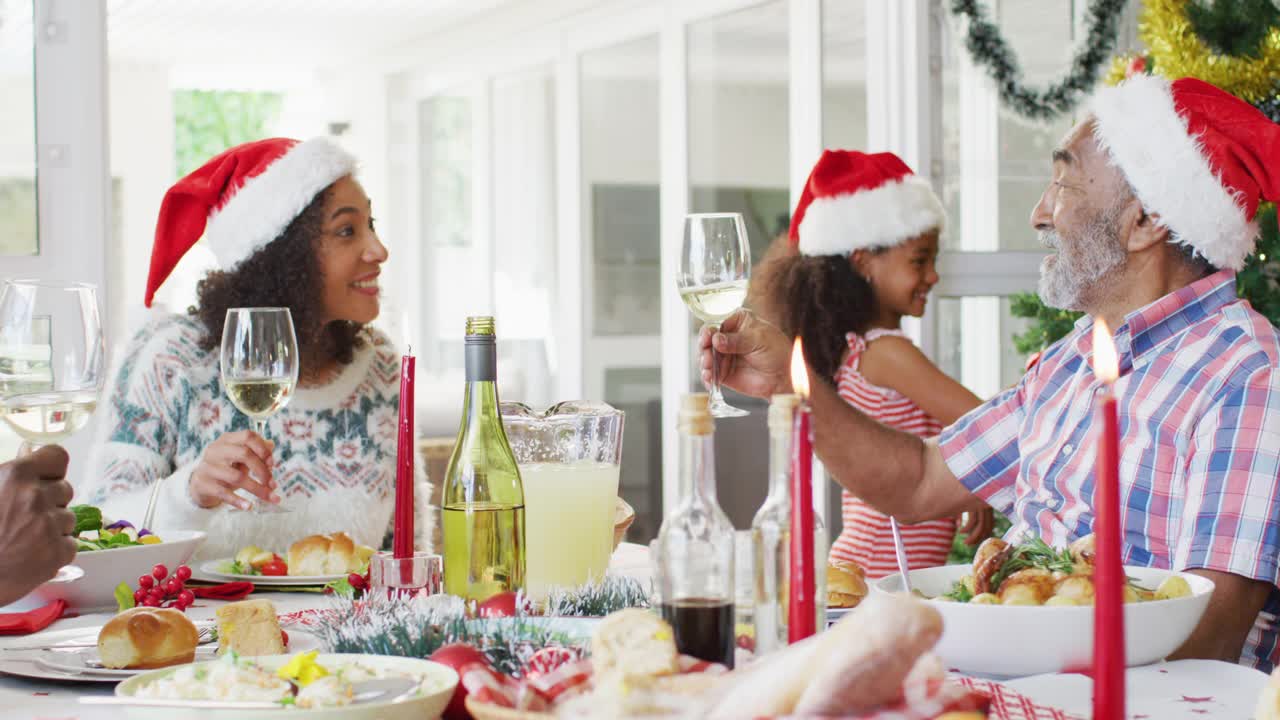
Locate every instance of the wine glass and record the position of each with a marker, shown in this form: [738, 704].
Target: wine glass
[715, 264]
[259, 367]
[52, 359]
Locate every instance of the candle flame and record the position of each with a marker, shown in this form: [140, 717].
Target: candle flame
[799, 372]
[1106, 364]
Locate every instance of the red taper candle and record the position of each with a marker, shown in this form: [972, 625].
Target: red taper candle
[402, 535]
[1108, 573]
[802, 587]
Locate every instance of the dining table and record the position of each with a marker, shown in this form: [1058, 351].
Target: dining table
[1192, 689]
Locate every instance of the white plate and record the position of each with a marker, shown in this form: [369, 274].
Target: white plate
[94, 589]
[1037, 639]
[83, 660]
[209, 571]
[33, 670]
[414, 708]
[1190, 689]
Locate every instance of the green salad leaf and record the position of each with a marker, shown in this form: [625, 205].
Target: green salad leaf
[88, 518]
[124, 597]
[959, 592]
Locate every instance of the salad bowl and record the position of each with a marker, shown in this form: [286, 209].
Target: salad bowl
[93, 589]
[1017, 640]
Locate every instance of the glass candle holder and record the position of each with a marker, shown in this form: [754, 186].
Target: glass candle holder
[420, 573]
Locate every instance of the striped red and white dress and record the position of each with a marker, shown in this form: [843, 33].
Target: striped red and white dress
[867, 538]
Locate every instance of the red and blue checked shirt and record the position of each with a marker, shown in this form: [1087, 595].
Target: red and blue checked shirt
[1199, 408]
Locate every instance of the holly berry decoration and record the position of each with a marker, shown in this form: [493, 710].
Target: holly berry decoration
[160, 589]
[503, 604]
[460, 657]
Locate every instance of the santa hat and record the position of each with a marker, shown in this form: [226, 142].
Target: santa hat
[857, 200]
[1200, 158]
[241, 200]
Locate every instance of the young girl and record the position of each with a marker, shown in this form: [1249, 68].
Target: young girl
[866, 235]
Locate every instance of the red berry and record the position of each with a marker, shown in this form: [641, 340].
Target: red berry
[146, 581]
[171, 587]
[186, 597]
[155, 594]
[284, 638]
[151, 602]
[183, 572]
[139, 595]
[159, 572]
[356, 580]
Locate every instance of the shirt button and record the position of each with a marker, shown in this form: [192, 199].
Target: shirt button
[1066, 449]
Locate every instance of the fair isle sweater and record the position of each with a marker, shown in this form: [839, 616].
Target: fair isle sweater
[335, 445]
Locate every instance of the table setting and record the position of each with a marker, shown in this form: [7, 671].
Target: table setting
[536, 607]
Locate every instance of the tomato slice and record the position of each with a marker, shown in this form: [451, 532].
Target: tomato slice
[276, 566]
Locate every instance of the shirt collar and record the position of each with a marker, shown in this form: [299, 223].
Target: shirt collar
[1148, 327]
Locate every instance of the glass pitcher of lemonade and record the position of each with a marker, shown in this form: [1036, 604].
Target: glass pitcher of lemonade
[569, 458]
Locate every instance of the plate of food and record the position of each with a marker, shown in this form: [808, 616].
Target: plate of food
[313, 560]
[1038, 601]
[110, 552]
[322, 685]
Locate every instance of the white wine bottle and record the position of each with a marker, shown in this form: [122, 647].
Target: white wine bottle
[771, 538]
[483, 499]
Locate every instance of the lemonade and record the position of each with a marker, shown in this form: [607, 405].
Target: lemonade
[568, 523]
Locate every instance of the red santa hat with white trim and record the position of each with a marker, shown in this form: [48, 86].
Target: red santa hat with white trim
[854, 200]
[1200, 158]
[242, 199]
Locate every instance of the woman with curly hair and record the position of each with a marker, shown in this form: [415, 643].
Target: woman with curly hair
[290, 227]
[865, 233]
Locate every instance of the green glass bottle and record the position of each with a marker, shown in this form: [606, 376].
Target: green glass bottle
[483, 499]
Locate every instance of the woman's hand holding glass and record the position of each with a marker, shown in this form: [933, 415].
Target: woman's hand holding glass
[235, 461]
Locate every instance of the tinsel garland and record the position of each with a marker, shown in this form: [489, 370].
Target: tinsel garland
[417, 627]
[1178, 51]
[988, 48]
[598, 599]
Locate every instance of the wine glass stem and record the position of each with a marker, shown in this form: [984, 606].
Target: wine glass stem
[260, 427]
[716, 397]
[27, 447]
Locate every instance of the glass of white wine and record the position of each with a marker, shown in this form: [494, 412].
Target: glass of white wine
[52, 359]
[259, 367]
[715, 265]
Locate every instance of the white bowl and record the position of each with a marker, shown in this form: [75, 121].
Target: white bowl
[421, 707]
[94, 590]
[1015, 640]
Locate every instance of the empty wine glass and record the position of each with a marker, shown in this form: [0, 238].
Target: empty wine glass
[259, 367]
[715, 265]
[51, 358]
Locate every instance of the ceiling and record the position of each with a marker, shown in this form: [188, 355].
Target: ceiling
[314, 33]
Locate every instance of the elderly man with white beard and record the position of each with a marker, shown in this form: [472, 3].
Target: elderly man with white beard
[1149, 213]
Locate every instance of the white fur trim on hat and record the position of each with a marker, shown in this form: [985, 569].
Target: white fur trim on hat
[265, 205]
[882, 217]
[1140, 128]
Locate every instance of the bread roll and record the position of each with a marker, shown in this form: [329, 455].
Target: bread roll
[335, 554]
[249, 627]
[143, 638]
[846, 584]
[634, 643]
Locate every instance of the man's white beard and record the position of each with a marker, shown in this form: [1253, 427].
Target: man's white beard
[1071, 278]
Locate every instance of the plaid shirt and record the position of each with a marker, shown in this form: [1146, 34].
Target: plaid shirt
[1199, 410]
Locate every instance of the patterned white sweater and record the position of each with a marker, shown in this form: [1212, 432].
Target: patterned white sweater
[335, 445]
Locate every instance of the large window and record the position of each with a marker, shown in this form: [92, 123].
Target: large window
[844, 75]
[738, 162]
[618, 88]
[17, 130]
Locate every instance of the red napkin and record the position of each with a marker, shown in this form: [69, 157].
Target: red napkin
[238, 590]
[25, 623]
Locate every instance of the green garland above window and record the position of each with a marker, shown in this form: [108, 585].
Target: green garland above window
[989, 49]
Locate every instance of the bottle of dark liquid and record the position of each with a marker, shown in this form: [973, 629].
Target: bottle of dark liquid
[695, 547]
[483, 499]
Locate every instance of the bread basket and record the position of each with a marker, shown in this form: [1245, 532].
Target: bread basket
[623, 516]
